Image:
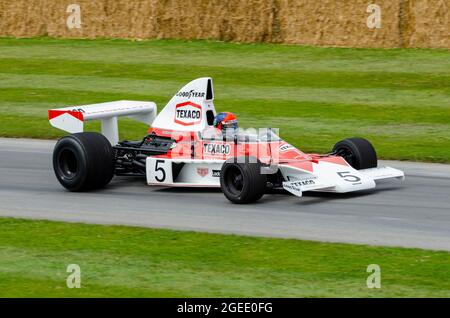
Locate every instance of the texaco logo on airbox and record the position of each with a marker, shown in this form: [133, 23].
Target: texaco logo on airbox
[188, 113]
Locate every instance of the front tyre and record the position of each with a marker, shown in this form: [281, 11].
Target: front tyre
[83, 161]
[242, 182]
[358, 152]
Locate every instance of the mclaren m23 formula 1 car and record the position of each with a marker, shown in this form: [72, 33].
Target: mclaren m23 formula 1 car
[184, 148]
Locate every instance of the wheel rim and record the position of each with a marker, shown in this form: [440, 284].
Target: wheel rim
[347, 154]
[234, 180]
[67, 164]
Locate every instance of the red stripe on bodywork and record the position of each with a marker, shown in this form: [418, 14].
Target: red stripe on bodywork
[304, 165]
[335, 159]
[56, 113]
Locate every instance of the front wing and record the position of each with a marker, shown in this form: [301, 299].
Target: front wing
[331, 177]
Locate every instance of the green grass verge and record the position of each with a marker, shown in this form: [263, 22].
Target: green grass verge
[397, 98]
[119, 261]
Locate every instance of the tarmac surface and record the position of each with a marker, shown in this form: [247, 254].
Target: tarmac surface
[412, 213]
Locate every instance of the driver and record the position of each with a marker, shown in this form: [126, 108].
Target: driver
[227, 123]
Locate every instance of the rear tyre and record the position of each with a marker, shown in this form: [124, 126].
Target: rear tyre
[358, 152]
[242, 182]
[83, 161]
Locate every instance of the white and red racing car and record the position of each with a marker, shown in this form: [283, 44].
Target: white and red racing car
[184, 149]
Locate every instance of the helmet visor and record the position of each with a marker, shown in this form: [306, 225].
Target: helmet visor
[230, 126]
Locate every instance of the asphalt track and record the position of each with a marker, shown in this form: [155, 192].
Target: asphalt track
[415, 213]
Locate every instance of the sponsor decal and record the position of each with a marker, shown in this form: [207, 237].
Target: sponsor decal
[202, 172]
[191, 93]
[286, 147]
[292, 187]
[188, 114]
[216, 173]
[300, 183]
[296, 187]
[214, 149]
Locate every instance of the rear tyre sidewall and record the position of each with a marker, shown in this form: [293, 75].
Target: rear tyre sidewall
[94, 156]
[69, 146]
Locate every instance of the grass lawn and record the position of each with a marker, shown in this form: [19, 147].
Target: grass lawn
[119, 261]
[398, 98]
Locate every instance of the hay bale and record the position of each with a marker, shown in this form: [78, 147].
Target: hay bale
[405, 23]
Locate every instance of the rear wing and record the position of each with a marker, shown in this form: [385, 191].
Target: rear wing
[71, 119]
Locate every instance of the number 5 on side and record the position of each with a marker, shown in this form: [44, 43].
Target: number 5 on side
[159, 171]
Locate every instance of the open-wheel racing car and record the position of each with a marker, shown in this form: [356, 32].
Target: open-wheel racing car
[189, 145]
